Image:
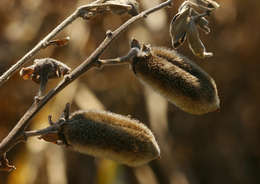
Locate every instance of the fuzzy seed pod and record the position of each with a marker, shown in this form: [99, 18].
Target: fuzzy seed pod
[178, 79]
[109, 135]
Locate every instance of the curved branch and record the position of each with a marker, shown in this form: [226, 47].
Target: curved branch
[17, 133]
[44, 42]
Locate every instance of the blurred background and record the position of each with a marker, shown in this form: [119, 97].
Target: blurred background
[219, 147]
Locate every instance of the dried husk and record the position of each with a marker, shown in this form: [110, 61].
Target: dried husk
[108, 135]
[178, 79]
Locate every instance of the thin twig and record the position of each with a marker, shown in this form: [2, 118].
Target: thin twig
[48, 130]
[17, 133]
[120, 60]
[105, 5]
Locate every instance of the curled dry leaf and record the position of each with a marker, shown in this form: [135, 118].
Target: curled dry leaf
[49, 66]
[4, 164]
[178, 79]
[178, 28]
[202, 22]
[195, 44]
[59, 42]
[44, 69]
[186, 22]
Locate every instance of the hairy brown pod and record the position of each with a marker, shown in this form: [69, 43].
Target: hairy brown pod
[109, 135]
[178, 79]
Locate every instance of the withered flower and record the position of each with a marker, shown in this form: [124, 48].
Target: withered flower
[106, 135]
[178, 79]
[44, 69]
[178, 27]
[186, 22]
[195, 44]
[201, 21]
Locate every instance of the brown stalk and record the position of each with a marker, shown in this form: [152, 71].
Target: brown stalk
[17, 134]
[44, 43]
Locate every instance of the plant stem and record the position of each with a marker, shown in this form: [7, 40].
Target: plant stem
[42, 44]
[17, 133]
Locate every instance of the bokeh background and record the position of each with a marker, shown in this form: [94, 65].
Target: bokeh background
[219, 147]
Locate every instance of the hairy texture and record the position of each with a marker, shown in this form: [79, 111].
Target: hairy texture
[109, 135]
[178, 79]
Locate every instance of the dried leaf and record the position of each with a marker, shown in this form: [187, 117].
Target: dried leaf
[27, 73]
[202, 22]
[60, 42]
[48, 66]
[178, 28]
[4, 164]
[195, 44]
[44, 69]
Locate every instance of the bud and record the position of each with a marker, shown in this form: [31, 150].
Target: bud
[178, 79]
[109, 135]
[50, 67]
[44, 69]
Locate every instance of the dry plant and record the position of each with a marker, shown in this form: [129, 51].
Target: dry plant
[105, 134]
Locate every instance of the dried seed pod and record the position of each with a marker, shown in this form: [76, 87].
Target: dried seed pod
[109, 135]
[195, 43]
[178, 27]
[178, 79]
[202, 22]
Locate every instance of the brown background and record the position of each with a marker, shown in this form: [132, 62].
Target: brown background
[219, 147]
